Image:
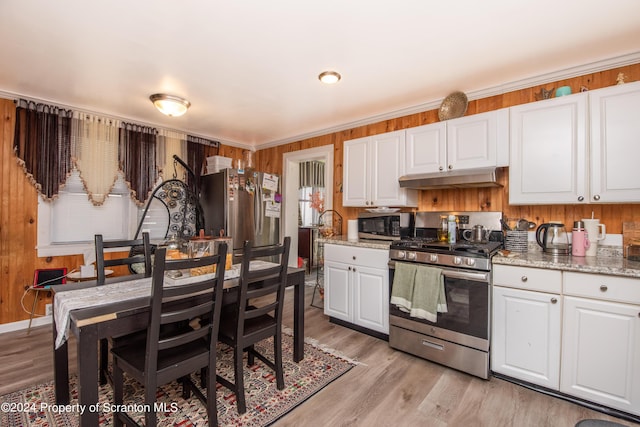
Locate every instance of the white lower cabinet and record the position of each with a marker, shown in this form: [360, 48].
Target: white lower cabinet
[601, 340]
[357, 286]
[527, 324]
[576, 333]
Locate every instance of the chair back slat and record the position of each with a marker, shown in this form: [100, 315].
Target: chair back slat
[143, 258]
[172, 316]
[182, 339]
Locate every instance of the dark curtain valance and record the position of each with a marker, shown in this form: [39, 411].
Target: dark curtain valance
[197, 153]
[42, 142]
[137, 158]
[44, 146]
[312, 174]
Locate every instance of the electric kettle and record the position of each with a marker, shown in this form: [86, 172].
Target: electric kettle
[553, 238]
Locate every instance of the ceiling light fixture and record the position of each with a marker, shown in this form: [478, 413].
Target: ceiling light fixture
[172, 106]
[329, 77]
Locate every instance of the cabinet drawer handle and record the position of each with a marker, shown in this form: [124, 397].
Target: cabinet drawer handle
[554, 300]
[603, 288]
[440, 168]
[596, 197]
[524, 278]
[349, 268]
[581, 198]
[450, 167]
[354, 257]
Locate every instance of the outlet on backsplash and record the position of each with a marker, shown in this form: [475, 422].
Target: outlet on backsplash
[48, 310]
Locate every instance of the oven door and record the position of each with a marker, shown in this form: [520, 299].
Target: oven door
[467, 318]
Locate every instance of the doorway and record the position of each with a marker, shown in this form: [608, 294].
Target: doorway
[290, 181]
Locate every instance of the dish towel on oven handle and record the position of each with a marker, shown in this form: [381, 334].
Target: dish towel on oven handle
[419, 291]
[429, 298]
[404, 278]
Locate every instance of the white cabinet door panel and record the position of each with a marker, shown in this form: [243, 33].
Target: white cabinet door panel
[337, 295]
[548, 151]
[526, 335]
[426, 149]
[615, 143]
[387, 159]
[371, 288]
[356, 172]
[471, 141]
[601, 352]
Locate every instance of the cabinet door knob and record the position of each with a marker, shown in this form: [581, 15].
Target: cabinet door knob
[554, 300]
[450, 167]
[596, 197]
[349, 268]
[440, 168]
[603, 288]
[354, 269]
[354, 257]
[581, 198]
[524, 278]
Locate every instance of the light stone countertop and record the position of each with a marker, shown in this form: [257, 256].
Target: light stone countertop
[616, 266]
[613, 265]
[361, 243]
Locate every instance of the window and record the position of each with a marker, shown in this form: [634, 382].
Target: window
[68, 224]
[308, 214]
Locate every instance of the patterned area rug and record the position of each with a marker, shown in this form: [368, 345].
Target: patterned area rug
[265, 403]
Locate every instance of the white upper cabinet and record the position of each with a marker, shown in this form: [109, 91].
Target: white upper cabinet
[426, 150]
[548, 151]
[563, 152]
[372, 166]
[615, 143]
[477, 141]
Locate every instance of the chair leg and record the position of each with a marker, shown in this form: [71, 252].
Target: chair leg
[212, 406]
[250, 357]
[150, 390]
[118, 392]
[239, 377]
[277, 354]
[186, 387]
[104, 360]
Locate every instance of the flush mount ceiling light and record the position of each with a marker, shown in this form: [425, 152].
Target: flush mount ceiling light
[329, 77]
[172, 106]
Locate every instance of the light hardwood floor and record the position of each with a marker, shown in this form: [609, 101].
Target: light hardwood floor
[387, 388]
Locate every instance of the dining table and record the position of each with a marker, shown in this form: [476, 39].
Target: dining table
[121, 306]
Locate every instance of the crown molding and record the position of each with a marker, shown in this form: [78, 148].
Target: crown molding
[593, 67]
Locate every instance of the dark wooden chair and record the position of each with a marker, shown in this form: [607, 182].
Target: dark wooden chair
[172, 351]
[246, 324]
[142, 260]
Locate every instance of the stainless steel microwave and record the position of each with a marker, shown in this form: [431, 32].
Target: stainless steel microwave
[391, 226]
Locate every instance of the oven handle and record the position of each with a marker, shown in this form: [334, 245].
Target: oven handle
[456, 274]
[479, 277]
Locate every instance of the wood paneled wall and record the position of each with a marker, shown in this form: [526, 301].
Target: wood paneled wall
[18, 229]
[18, 202]
[489, 199]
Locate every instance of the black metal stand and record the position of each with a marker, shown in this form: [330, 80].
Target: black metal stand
[319, 287]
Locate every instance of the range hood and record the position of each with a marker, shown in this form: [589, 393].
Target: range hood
[463, 178]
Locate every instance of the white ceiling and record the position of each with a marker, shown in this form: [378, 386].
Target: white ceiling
[250, 67]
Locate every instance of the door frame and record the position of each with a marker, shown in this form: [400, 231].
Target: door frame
[290, 179]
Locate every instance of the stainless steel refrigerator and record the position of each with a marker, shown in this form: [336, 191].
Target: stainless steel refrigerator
[244, 204]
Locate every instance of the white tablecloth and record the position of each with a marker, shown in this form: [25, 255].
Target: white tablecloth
[65, 301]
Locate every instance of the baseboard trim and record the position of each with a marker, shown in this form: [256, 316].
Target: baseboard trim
[587, 404]
[24, 324]
[367, 331]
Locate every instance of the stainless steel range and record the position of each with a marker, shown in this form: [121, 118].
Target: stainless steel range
[458, 338]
